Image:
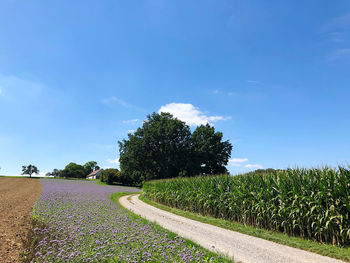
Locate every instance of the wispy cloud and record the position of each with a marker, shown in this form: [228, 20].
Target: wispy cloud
[115, 100]
[131, 131]
[254, 166]
[339, 23]
[337, 31]
[339, 54]
[113, 161]
[103, 146]
[239, 160]
[255, 82]
[14, 84]
[131, 121]
[190, 114]
[222, 93]
[236, 162]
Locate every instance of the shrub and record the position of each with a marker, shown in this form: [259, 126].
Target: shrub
[110, 176]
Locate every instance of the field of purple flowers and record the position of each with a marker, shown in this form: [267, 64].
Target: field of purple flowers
[75, 221]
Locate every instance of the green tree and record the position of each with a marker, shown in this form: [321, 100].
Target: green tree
[90, 167]
[159, 149]
[209, 152]
[73, 170]
[30, 169]
[55, 173]
[110, 176]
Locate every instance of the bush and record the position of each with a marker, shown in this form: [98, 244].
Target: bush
[110, 176]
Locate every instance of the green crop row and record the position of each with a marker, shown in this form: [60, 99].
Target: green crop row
[310, 203]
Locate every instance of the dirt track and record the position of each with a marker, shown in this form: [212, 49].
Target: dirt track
[17, 197]
[243, 248]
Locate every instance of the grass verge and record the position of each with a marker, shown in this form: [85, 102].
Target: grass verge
[342, 253]
[115, 198]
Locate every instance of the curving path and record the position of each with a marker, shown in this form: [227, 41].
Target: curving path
[241, 247]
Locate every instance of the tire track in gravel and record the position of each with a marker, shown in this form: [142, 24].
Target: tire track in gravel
[243, 248]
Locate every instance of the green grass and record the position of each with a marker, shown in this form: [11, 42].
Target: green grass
[115, 198]
[20, 176]
[341, 253]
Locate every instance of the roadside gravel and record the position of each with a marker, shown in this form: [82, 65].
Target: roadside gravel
[241, 247]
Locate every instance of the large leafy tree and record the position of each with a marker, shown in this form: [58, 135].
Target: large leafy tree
[210, 153]
[159, 149]
[90, 167]
[73, 170]
[30, 169]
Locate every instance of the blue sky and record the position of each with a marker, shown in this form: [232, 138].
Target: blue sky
[77, 76]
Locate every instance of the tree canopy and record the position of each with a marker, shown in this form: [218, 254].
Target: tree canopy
[90, 167]
[54, 173]
[164, 148]
[110, 176]
[73, 170]
[211, 154]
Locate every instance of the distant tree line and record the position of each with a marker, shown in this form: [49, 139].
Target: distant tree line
[164, 147]
[73, 170]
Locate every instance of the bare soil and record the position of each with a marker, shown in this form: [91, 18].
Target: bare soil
[17, 197]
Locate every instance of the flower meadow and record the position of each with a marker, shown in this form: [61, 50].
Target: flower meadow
[75, 221]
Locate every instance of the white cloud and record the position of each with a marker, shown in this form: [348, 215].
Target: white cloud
[190, 114]
[131, 131]
[252, 166]
[131, 121]
[236, 162]
[116, 161]
[0, 91]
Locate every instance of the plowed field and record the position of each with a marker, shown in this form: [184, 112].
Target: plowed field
[17, 197]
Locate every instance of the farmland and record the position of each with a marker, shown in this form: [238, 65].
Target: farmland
[309, 203]
[17, 197]
[76, 221]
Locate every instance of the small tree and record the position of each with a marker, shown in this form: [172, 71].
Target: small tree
[110, 176]
[54, 173]
[30, 169]
[91, 166]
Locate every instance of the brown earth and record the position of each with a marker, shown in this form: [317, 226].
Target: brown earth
[17, 197]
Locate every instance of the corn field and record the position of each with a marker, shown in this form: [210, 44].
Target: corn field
[309, 203]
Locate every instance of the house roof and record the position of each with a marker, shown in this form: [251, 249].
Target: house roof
[95, 172]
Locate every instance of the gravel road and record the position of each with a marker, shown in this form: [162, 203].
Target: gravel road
[242, 248]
